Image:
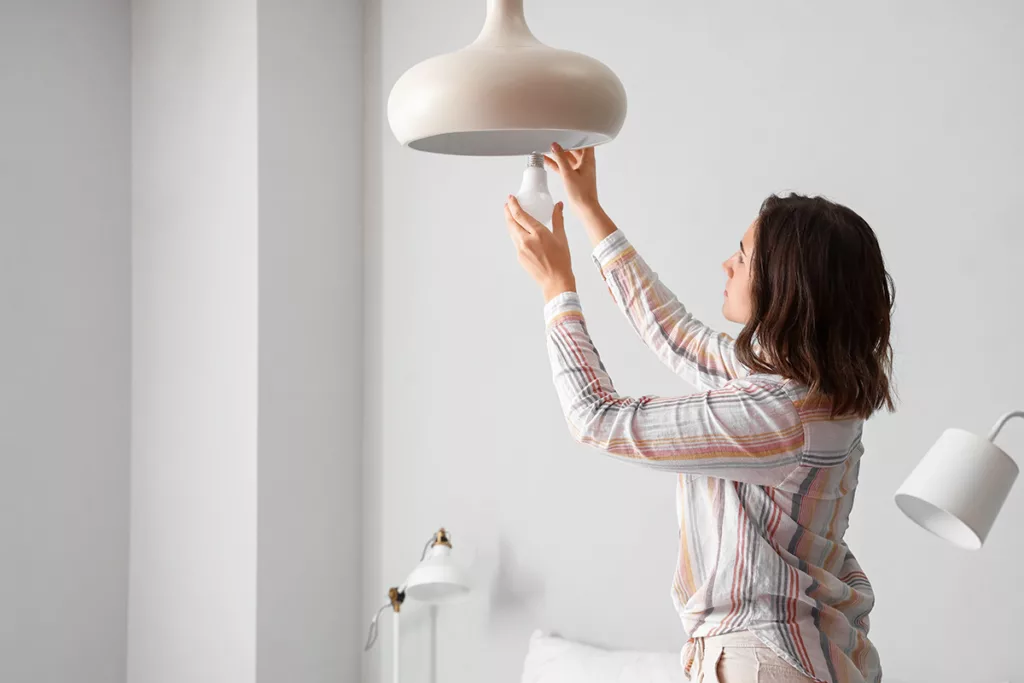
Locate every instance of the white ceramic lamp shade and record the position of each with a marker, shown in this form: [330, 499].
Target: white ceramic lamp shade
[957, 489]
[437, 578]
[506, 94]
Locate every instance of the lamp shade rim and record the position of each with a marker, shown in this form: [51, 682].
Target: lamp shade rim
[931, 518]
[567, 138]
[437, 591]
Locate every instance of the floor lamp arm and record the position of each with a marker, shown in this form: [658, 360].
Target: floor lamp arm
[1002, 421]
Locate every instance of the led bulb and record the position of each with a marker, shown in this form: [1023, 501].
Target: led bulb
[533, 195]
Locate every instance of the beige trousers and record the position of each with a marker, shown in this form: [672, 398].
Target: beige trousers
[740, 658]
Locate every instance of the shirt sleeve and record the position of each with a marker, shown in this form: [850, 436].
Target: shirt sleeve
[701, 356]
[747, 430]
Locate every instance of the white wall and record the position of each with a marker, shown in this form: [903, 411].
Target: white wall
[908, 112]
[192, 610]
[65, 371]
[310, 340]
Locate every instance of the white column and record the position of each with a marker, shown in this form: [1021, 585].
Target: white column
[311, 627]
[192, 610]
[246, 368]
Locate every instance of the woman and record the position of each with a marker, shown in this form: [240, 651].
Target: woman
[768, 453]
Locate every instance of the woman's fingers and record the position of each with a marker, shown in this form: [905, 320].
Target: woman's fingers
[525, 220]
[577, 158]
[515, 231]
[558, 221]
[561, 158]
[589, 156]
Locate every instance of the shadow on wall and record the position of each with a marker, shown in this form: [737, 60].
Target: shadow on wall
[514, 588]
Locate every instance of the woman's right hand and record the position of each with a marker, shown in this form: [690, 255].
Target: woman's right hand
[578, 170]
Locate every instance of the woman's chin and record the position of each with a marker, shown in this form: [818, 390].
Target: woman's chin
[729, 315]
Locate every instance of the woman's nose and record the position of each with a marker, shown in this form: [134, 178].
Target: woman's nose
[727, 268]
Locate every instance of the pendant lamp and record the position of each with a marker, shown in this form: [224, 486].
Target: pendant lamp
[506, 94]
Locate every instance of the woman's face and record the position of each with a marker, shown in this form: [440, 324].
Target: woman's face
[738, 307]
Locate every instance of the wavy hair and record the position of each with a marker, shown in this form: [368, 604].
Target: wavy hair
[822, 304]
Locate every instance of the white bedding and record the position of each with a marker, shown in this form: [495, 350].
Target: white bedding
[551, 659]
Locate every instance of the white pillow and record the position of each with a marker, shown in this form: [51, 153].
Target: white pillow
[555, 660]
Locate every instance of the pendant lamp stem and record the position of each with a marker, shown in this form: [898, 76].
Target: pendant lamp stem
[505, 25]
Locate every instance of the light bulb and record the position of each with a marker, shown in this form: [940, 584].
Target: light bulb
[533, 195]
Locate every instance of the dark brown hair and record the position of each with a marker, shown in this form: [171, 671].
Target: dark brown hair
[822, 302]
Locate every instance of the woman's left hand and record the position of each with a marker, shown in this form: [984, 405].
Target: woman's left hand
[543, 253]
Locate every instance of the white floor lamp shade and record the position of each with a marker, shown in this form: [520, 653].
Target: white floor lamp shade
[506, 94]
[437, 579]
[958, 488]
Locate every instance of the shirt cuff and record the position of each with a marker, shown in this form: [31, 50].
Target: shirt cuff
[564, 303]
[615, 247]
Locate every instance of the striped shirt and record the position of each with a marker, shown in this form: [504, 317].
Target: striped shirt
[766, 479]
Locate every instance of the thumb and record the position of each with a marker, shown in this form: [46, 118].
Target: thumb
[558, 221]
